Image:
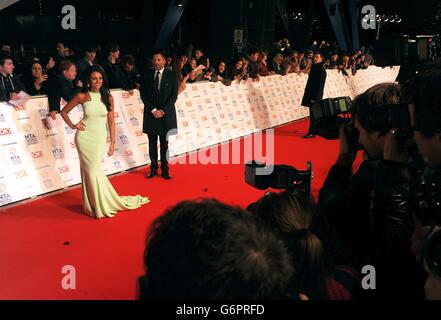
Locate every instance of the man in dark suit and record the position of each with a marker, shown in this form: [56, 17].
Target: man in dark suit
[111, 65]
[87, 61]
[314, 90]
[159, 93]
[130, 77]
[63, 85]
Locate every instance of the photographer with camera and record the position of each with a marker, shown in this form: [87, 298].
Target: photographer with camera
[370, 209]
[420, 190]
[345, 197]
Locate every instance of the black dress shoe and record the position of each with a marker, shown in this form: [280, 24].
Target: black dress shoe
[153, 173]
[166, 175]
[309, 136]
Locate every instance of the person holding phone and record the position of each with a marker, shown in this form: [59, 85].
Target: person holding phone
[36, 82]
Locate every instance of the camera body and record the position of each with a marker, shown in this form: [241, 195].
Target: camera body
[332, 107]
[329, 114]
[282, 177]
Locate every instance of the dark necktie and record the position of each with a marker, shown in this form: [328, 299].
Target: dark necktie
[157, 81]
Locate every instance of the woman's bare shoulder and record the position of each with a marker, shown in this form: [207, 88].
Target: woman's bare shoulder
[82, 97]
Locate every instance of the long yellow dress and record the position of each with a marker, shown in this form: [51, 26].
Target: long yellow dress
[100, 199]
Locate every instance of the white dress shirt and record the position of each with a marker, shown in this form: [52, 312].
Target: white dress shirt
[160, 80]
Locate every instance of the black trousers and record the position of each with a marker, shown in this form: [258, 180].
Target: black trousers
[311, 129]
[153, 151]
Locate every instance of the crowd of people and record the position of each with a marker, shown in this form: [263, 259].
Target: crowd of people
[60, 74]
[258, 63]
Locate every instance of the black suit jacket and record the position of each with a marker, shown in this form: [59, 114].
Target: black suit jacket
[164, 100]
[8, 85]
[315, 85]
[113, 72]
[82, 66]
[202, 61]
[130, 79]
[60, 87]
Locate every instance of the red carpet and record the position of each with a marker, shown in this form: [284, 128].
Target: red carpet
[38, 238]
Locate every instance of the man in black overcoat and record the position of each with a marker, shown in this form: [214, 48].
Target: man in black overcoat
[314, 90]
[159, 93]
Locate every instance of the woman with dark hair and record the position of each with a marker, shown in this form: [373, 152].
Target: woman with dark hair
[99, 198]
[170, 63]
[221, 70]
[184, 64]
[178, 67]
[292, 215]
[236, 70]
[221, 73]
[35, 80]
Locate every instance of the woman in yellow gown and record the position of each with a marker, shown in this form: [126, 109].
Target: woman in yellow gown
[99, 197]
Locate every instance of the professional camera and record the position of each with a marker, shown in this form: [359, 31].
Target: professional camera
[329, 114]
[281, 177]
